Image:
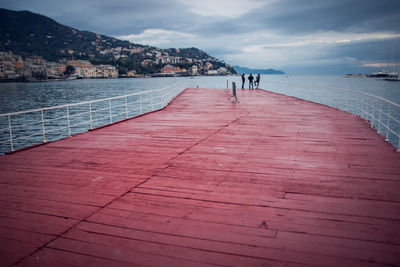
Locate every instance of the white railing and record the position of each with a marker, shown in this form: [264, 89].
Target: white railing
[25, 128]
[380, 113]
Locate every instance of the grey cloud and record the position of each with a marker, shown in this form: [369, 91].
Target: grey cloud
[287, 16]
[223, 37]
[331, 15]
[107, 17]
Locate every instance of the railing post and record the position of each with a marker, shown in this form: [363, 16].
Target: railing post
[165, 97]
[109, 104]
[90, 116]
[43, 128]
[387, 124]
[365, 109]
[9, 128]
[398, 143]
[140, 104]
[379, 117]
[69, 123]
[361, 107]
[126, 106]
[372, 113]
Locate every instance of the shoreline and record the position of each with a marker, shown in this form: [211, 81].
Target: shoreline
[121, 77]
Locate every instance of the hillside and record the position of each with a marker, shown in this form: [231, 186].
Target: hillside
[239, 69]
[25, 33]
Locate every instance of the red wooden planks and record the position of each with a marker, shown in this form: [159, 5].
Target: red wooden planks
[272, 180]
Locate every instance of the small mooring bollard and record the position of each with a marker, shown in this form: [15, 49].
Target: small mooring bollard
[234, 96]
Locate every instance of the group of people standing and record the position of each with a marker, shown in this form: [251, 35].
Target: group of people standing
[251, 78]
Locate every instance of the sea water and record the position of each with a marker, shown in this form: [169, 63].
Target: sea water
[326, 90]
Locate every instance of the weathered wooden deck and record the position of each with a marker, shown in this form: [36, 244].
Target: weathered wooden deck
[269, 181]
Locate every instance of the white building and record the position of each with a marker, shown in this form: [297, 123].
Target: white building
[195, 70]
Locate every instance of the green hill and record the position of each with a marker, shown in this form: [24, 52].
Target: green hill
[239, 69]
[25, 33]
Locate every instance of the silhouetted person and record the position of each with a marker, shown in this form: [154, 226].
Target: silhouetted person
[243, 80]
[257, 82]
[251, 78]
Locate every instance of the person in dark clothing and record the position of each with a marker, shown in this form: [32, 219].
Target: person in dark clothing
[251, 78]
[257, 82]
[243, 80]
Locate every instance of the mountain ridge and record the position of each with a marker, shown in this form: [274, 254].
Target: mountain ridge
[29, 34]
[245, 70]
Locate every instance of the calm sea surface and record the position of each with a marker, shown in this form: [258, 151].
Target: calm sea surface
[322, 89]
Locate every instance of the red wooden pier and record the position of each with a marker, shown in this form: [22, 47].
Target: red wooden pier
[270, 181]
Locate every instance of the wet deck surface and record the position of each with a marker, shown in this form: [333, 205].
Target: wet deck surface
[269, 181]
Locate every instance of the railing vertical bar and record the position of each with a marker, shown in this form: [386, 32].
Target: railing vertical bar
[387, 123]
[126, 107]
[69, 122]
[371, 119]
[165, 97]
[43, 127]
[140, 104]
[380, 117]
[90, 116]
[372, 113]
[362, 107]
[10, 130]
[398, 143]
[376, 111]
[109, 106]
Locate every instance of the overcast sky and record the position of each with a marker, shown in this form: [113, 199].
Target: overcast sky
[296, 36]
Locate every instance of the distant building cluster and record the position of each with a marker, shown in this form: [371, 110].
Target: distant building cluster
[194, 70]
[154, 62]
[85, 69]
[14, 67]
[151, 56]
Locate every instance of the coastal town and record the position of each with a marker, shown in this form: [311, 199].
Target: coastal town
[34, 68]
[56, 51]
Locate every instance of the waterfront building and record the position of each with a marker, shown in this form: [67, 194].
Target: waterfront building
[55, 70]
[88, 72]
[7, 70]
[208, 66]
[222, 71]
[194, 70]
[80, 63]
[168, 69]
[106, 71]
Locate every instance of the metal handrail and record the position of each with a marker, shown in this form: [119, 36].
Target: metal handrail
[87, 102]
[368, 111]
[148, 101]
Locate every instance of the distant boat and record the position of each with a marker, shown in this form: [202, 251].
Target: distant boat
[392, 79]
[355, 75]
[383, 74]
